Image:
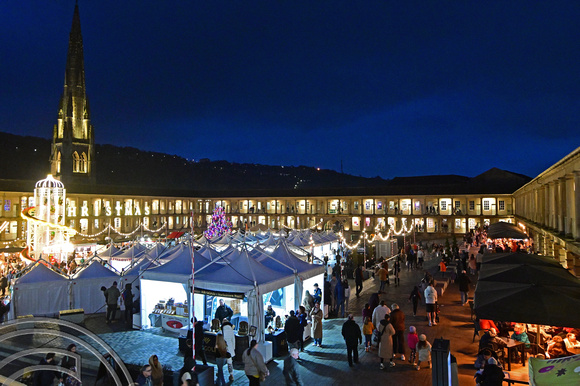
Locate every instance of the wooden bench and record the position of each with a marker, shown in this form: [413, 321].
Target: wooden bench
[75, 316]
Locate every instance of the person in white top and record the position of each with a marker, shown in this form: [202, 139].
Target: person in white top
[431, 304]
[230, 338]
[379, 313]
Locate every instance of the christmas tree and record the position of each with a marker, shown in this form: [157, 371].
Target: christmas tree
[219, 224]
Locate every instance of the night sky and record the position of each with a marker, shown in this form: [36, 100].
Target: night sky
[391, 88]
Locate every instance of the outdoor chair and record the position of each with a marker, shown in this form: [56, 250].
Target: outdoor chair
[476, 329]
[243, 330]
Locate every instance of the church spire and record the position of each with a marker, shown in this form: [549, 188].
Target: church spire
[72, 155]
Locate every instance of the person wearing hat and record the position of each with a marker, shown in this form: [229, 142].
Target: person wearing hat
[423, 351]
[112, 295]
[492, 374]
[317, 295]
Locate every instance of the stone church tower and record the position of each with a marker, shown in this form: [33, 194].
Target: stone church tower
[72, 158]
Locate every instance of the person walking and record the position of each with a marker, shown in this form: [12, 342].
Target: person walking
[292, 329]
[199, 335]
[230, 338]
[346, 293]
[46, 377]
[291, 373]
[128, 301]
[414, 297]
[386, 332]
[339, 296]
[303, 318]
[412, 340]
[423, 351]
[398, 322]
[379, 313]
[464, 282]
[3, 284]
[431, 303]
[316, 315]
[383, 275]
[358, 279]
[368, 333]
[397, 271]
[353, 337]
[308, 301]
[112, 295]
[221, 356]
[254, 365]
[156, 371]
[144, 378]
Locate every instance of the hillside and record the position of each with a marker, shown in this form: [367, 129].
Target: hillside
[27, 158]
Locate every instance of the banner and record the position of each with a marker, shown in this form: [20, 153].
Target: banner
[558, 371]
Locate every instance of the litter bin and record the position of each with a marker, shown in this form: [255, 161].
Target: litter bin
[155, 320]
[444, 372]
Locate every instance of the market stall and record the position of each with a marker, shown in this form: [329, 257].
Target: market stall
[86, 287]
[39, 292]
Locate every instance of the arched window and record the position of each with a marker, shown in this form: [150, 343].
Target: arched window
[84, 163]
[58, 161]
[76, 162]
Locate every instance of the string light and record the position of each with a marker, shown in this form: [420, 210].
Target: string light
[404, 229]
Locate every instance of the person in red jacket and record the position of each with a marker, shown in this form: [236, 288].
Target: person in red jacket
[487, 324]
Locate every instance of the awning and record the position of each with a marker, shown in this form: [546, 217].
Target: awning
[175, 235]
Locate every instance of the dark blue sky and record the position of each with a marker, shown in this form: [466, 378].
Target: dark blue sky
[391, 88]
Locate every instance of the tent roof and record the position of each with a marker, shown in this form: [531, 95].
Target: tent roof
[109, 252]
[94, 270]
[135, 250]
[40, 273]
[505, 230]
[241, 274]
[283, 255]
[178, 269]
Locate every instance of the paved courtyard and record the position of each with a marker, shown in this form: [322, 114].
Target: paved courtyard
[328, 365]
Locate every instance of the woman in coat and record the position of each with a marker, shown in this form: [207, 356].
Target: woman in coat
[316, 315]
[387, 331]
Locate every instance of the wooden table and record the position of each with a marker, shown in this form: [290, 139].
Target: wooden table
[512, 345]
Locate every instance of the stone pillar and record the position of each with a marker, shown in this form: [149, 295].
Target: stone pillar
[575, 210]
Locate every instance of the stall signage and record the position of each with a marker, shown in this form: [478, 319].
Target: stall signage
[220, 293]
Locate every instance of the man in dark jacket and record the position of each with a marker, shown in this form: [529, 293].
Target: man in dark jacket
[45, 377]
[464, 283]
[291, 369]
[3, 284]
[112, 296]
[398, 322]
[292, 328]
[223, 312]
[352, 337]
[358, 279]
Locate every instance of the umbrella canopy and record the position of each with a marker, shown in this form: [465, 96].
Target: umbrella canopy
[519, 258]
[505, 230]
[541, 293]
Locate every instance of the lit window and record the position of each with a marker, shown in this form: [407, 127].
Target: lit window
[443, 205]
[471, 205]
[485, 204]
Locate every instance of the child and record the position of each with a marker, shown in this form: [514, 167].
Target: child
[368, 333]
[423, 351]
[412, 340]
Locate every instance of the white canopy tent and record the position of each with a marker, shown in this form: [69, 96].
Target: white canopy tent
[86, 287]
[39, 292]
